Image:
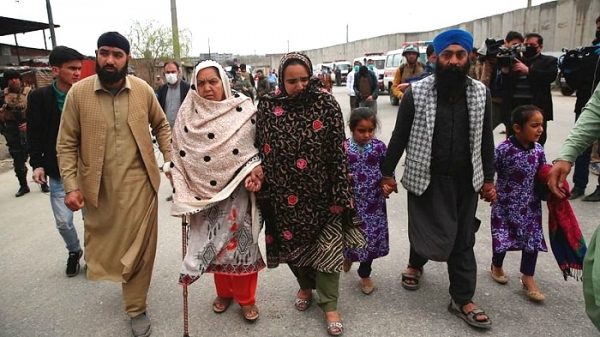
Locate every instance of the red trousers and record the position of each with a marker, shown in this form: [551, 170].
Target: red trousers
[242, 288]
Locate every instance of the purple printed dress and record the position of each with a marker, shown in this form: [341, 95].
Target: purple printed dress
[364, 164]
[517, 212]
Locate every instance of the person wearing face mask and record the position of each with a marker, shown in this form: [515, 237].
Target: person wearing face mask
[528, 80]
[171, 95]
[366, 88]
[350, 86]
[490, 76]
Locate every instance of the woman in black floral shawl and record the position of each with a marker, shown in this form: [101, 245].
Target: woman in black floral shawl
[300, 136]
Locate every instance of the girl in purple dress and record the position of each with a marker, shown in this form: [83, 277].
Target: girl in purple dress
[365, 155]
[517, 213]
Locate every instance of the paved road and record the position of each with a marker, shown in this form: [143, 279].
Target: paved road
[36, 299]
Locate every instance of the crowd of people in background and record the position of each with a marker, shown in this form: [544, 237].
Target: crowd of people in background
[244, 151]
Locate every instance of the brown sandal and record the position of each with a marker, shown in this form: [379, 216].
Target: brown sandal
[250, 312]
[221, 304]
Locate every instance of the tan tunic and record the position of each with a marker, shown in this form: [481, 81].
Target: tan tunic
[121, 217]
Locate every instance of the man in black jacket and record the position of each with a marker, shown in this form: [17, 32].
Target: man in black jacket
[588, 79]
[528, 80]
[172, 94]
[43, 120]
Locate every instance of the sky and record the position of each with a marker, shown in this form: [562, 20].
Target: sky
[248, 27]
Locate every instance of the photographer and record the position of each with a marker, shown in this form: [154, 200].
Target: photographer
[527, 80]
[13, 125]
[490, 74]
[585, 80]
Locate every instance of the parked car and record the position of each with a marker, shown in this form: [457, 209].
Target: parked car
[393, 60]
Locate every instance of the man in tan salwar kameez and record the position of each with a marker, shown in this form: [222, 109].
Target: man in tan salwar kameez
[107, 162]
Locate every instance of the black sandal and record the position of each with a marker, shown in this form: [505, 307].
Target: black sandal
[471, 316]
[410, 280]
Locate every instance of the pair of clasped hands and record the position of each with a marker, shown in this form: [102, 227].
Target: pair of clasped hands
[487, 192]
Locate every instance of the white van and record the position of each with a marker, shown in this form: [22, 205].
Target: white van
[393, 60]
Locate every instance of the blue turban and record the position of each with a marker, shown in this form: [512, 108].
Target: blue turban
[457, 36]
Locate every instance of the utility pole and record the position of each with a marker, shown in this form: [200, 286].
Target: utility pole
[209, 48]
[51, 23]
[528, 3]
[346, 33]
[288, 41]
[175, 30]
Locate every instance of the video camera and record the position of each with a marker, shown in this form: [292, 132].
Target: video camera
[574, 64]
[505, 56]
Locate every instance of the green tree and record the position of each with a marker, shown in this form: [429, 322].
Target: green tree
[152, 43]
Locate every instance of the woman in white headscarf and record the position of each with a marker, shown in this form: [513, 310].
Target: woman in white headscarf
[215, 172]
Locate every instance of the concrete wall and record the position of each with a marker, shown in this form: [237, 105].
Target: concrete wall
[562, 23]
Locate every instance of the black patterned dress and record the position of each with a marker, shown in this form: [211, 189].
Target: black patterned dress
[301, 140]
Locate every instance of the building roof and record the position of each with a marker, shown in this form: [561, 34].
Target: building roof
[9, 26]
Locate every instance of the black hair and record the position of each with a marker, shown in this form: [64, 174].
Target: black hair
[537, 36]
[61, 55]
[243, 66]
[430, 50]
[171, 62]
[11, 74]
[360, 114]
[521, 114]
[514, 35]
[297, 61]
[598, 19]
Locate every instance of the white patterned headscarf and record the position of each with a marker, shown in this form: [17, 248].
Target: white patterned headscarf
[220, 70]
[213, 143]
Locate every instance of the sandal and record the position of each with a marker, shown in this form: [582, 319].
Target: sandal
[366, 286]
[471, 316]
[410, 280]
[250, 312]
[302, 303]
[501, 279]
[534, 295]
[221, 304]
[335, 327]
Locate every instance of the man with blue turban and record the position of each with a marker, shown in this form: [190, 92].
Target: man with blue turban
[444, 124]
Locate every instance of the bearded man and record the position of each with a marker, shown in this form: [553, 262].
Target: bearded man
[108, 167]
[444, 123]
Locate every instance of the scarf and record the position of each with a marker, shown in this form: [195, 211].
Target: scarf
[213, 143]
[566, 240]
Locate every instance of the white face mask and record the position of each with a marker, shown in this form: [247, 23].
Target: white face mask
[171, 78]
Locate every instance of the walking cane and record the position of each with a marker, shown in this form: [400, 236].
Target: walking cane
[185, 290]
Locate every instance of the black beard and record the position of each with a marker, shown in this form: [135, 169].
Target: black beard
[450, 80]
[107, 77]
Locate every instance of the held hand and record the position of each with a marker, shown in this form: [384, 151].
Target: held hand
[488, 192]
[74, 200]
[23, 127]
[258, 173]
[389, 185]
[252, 184]
[39, 175]
[369, 99]
[557, 175]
